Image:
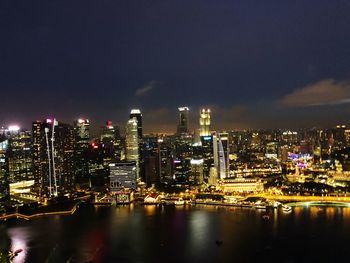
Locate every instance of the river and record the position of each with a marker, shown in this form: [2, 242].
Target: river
[138, 233]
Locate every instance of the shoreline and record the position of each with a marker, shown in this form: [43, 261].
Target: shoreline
[29, 217]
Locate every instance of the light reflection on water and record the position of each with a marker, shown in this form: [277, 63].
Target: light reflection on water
[19, 238]
[137, 229]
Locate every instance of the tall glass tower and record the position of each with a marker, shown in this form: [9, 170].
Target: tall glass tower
[81, 146]
[136, 113]
[184, 120]
[204, 122]
[132, 142]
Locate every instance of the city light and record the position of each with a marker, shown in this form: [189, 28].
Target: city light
[13, 128]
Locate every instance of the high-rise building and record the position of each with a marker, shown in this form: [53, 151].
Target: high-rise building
[136, 113]
[183, 126]
[20, 166]
[111, 143]
[221, 154]
[43, 155]
[182, 169]
[152, 160]
[166, 160]
[64, 156]
[204, 122]
[132, 142]
[207, 155]
[53, 166]
[37, 134]
[196, 175]
[4, 185]
[81, 146]
[98, 164]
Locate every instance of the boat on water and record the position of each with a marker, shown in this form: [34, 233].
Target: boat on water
[180, 201]
[286, 208]
[259, 205]
[168, 202]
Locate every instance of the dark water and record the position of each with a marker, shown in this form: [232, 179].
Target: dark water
[182, 234]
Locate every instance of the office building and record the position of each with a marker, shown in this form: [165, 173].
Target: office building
[204, 122]
[81, 145]
[4, 185]
[183, 126]
[132, 143]
[207, 155]
[196, 176]
[20, 166]
[221, 154]
[136, 113]
[53, 162]
[123, 175]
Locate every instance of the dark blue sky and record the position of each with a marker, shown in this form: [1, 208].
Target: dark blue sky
[256, 63]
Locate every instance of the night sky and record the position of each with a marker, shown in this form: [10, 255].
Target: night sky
[257, 64]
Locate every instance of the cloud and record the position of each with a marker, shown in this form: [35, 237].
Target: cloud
[324, 92]
[146, 88]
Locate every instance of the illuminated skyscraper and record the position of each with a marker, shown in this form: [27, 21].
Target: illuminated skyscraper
[64, 156]
[4, 186]
[136, 113]
[81, 146]
[132, 142]
[53, 156]
[221, 154]
[36, 144]
[204, 122]
[207, 154]
[111, 141]
[20, 156]
[184, 120]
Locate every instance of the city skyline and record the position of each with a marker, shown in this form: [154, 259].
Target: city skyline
[255, 65]
[193, 116]
[174, 131]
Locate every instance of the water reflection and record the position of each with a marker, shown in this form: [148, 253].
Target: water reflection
[149, 232]
[150, 209]
[199, 227]
[19, 238]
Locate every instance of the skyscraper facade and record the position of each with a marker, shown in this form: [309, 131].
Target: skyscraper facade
[64, 156]
[20, 157]
[132, 142]
[37, 144]
[204, 122]
[183, 126]
[136, 113]
[221, 154]
[81, 146]
[111, 141]
[4, 186]
[53, 163]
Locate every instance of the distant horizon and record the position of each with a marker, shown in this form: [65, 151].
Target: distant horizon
[96, 126]
[257, 65]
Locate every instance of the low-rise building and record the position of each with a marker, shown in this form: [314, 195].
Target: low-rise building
[241, 185]
[122, 175]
